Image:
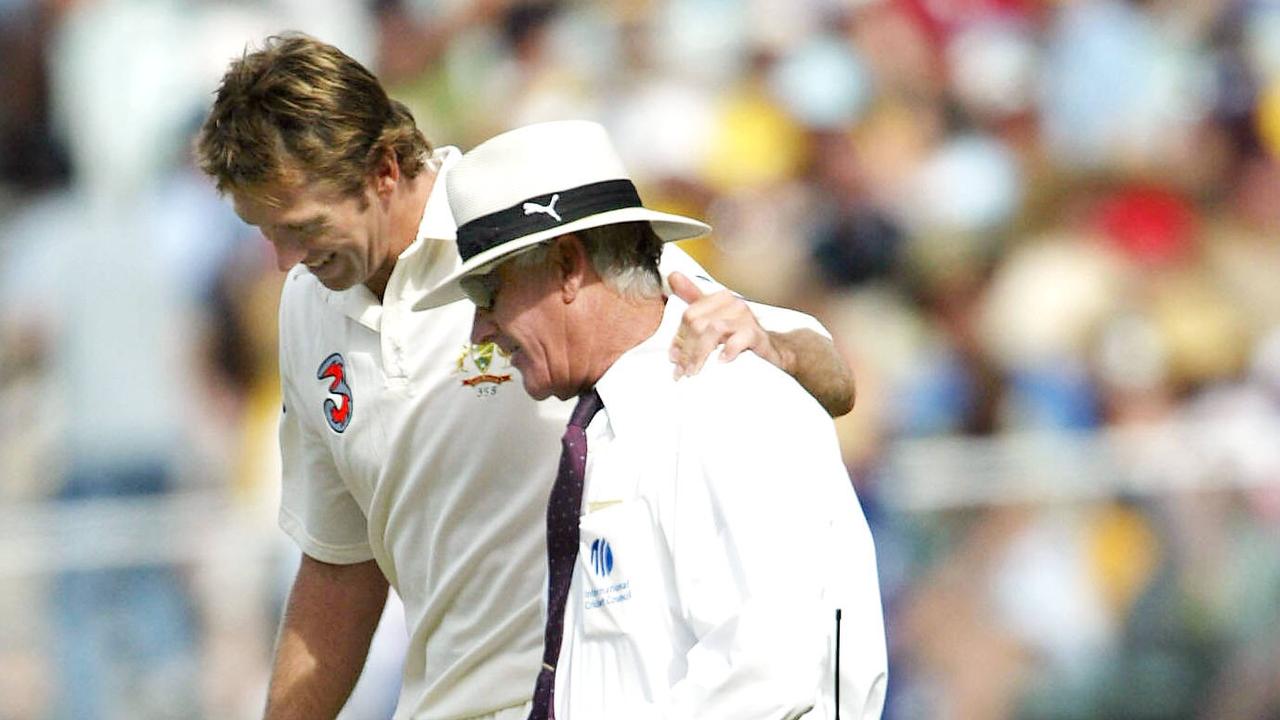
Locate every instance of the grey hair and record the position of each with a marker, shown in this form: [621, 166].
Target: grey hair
[625, 256]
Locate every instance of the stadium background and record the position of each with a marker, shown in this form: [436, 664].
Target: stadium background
[1044, 233]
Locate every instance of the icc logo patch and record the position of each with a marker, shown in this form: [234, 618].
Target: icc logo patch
[337, 414]
[604, 592]
[601, 557]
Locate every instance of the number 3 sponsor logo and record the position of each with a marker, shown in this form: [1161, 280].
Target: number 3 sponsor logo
[336, 413]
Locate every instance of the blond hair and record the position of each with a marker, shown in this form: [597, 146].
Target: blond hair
[302, 110]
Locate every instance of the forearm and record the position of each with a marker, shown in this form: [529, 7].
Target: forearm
[815, 363]
[329, 621]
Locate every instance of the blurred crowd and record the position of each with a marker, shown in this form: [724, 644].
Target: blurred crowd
[1044, 232]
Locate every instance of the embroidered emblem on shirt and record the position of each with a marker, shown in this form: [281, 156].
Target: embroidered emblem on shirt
[601, 557]
[480, 359]
[602, 592]
[338, 415]
[549, 209]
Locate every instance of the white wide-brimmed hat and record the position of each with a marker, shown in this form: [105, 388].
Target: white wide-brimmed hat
[536, 183]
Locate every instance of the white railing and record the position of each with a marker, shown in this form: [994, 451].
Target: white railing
[932, 474]
[178, 528]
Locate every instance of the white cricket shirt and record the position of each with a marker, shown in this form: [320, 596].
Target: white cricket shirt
[719, 533]
[405, 444]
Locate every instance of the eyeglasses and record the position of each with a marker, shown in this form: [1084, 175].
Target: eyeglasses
[481, 289]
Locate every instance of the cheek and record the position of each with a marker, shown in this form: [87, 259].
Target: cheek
[352, 251]
[543, 364]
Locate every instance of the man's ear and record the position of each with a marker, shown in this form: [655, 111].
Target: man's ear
[386, 174]
[571, 264]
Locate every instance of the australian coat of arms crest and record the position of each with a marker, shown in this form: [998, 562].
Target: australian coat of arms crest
[477, 362]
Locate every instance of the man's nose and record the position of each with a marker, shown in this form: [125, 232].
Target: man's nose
[483, 328]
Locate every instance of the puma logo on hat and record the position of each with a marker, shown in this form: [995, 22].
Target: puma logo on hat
[550, 208]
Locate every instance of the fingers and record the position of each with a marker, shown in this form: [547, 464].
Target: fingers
[693, 343]
[735, 344]
[720, 318]
[683, 287]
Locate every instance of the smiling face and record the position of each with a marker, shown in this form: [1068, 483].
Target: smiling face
[527, 318]
[342, 239]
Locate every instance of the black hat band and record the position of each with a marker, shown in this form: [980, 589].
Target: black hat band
[544, 212]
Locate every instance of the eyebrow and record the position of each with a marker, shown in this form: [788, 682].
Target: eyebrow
[309, 225]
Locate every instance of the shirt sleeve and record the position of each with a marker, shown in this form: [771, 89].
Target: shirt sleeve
[771, 318]
[768, 540]
[316, 509]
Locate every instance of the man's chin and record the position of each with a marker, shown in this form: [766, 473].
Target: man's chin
[538, 393]
[335, 283]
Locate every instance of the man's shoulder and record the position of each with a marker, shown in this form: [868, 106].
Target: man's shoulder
[302, 298]
[748, 419]
[304, 309]
[718, 376]
[746, 390]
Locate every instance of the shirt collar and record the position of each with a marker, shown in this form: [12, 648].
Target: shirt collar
[635, 386]
[437, 218]
[431, 256]
[434, 253]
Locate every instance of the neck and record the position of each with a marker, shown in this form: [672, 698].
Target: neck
[407, 207]
[617, 325]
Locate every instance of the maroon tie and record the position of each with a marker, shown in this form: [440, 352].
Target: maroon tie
[562, 545]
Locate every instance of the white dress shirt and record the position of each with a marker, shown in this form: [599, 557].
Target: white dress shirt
[720, 533]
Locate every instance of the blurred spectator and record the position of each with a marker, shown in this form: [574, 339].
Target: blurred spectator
[31, 158]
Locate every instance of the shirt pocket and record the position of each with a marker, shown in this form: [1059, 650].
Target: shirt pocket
[623, 570]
